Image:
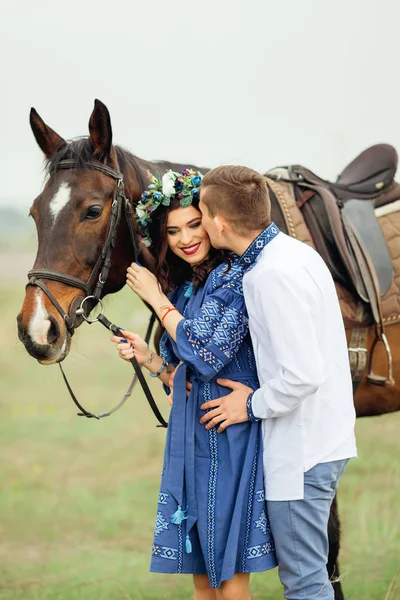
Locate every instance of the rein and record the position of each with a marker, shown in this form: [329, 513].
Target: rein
[94, 286]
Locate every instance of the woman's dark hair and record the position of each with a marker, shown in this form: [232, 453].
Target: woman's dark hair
[170, 270]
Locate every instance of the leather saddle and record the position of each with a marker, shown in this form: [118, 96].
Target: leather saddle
[341, 217]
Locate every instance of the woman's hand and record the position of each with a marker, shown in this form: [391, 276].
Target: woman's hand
[133, 345]
[144, 284]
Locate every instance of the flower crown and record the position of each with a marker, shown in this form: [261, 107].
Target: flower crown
[182, 186]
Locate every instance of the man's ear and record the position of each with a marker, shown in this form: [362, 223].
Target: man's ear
[221, 225]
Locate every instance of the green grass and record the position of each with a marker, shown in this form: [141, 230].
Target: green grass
[78, 497]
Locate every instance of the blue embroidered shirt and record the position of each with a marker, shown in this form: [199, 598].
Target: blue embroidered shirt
[249, 258]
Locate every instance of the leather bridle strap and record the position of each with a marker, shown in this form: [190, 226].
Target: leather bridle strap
[57, 276]
[138, 376]
[36, 274]
[103, 263]
[71, 163]
[68, 322]
[117, 331]
[128, 218]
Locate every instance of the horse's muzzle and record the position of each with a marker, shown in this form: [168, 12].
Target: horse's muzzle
[52, 348]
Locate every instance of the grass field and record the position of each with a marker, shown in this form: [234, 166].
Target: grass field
[78, 497]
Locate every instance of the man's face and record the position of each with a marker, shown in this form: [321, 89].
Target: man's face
[208, 222]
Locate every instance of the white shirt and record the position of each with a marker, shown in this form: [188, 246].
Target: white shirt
[305, 397]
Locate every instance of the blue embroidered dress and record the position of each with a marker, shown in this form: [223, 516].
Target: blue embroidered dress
[211, 515]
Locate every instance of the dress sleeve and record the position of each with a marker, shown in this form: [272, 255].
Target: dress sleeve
[209, 341]
[167, 351]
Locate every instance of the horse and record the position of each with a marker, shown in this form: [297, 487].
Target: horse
[72, 217]
[80, 255]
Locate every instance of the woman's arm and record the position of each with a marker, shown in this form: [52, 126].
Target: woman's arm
[209, 340]
[146, 286]
[154, 363]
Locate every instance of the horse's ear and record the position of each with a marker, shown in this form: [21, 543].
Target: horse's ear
[100, 129]
[48, 140]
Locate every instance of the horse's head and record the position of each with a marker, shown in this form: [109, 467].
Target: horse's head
[72, 217]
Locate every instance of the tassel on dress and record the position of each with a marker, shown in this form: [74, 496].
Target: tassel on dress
[188, 293]
[178, 516]
[188, 545]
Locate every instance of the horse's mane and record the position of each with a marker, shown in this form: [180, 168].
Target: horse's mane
[81, 150]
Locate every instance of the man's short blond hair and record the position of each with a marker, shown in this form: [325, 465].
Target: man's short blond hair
[239, 195]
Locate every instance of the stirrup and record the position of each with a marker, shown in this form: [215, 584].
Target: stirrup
[379, 379]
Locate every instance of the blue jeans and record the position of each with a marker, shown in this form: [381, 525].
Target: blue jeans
[300, 530]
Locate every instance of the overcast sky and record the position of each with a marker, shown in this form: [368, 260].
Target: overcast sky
[254, 82]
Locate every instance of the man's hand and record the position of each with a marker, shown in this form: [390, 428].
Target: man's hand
[229, 409]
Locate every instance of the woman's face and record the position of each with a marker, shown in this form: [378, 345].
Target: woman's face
[187, 237]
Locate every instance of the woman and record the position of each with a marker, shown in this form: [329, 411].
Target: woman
[211, 518]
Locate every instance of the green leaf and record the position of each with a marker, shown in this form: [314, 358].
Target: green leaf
[166, 201]
[186, 201]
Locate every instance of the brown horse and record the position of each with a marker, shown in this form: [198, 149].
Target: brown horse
[72, 217]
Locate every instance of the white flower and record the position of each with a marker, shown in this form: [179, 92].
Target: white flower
[168, 183]
[140, 212]
[146, 242]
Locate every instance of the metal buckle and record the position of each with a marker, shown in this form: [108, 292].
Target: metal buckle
[80, 311]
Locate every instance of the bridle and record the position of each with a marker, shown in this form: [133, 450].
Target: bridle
[93, 287]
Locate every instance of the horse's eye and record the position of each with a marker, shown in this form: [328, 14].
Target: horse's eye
[93, 212]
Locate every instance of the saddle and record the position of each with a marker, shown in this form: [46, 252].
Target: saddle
[344, 228]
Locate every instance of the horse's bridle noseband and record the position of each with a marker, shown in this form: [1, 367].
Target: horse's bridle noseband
[97, 280]
[98, 277]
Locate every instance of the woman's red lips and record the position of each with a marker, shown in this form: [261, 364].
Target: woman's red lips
[189, 250]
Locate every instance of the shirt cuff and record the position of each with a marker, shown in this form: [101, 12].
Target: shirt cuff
[250, 415]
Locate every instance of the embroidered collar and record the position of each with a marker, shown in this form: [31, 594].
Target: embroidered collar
[249, 258]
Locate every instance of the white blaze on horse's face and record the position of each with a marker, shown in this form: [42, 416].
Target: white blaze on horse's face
[39, 324]
[60, 199]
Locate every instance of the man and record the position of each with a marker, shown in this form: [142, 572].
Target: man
[305, 398]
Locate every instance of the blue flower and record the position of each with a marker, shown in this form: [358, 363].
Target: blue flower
[152, 186]
[195, 192]
[178, 185]
[196, 180]
[145, 194]
[157, 196]
[143, 200]
[143, 222]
